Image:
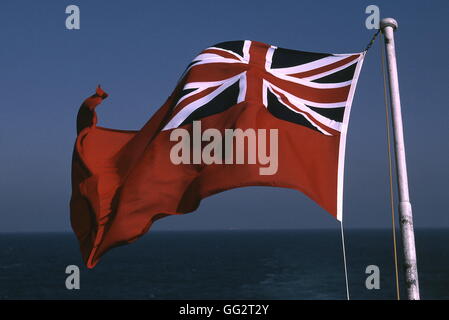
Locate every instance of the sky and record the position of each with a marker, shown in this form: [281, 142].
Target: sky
[137, 50]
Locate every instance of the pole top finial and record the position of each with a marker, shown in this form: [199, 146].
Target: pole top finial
[388, 22]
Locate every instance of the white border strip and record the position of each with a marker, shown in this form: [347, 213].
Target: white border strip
[344, 129]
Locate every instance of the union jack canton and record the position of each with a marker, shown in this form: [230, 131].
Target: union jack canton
[306, 88]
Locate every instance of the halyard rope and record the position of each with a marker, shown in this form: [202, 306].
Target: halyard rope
[390, 167]
[372, 40]
[344, 259]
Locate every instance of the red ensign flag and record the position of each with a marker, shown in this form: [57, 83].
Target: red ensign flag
[244, 113]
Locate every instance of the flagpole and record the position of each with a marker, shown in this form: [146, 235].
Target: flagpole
[388, 26]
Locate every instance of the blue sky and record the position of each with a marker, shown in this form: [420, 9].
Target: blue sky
[137, 50]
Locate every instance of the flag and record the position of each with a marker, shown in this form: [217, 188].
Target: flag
[293, 105]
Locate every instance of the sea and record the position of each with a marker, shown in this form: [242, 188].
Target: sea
[224, 265]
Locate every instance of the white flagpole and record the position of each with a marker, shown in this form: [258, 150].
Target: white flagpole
[388, 25]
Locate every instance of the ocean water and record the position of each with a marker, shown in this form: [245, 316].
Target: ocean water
[220, 265]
